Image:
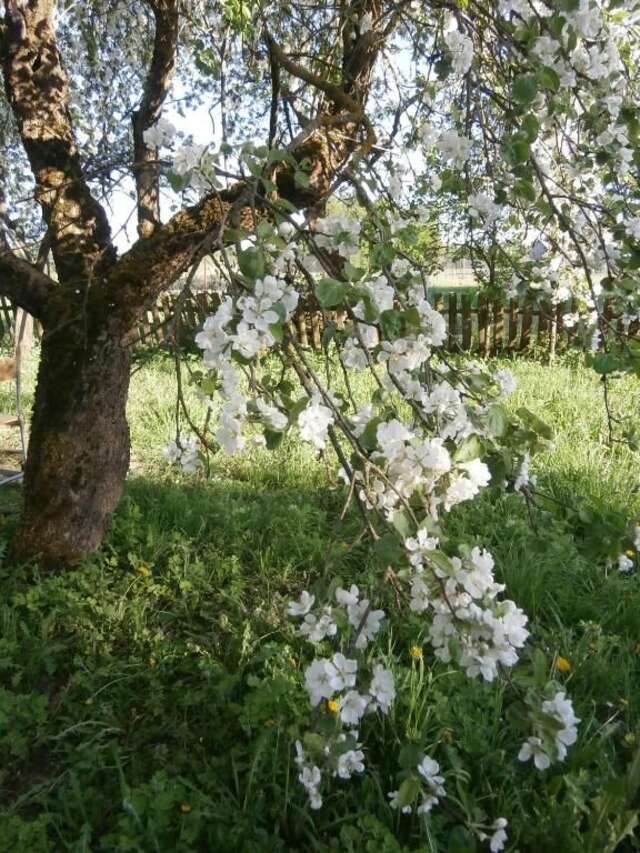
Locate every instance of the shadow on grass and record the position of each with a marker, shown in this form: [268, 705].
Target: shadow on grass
[149, 688]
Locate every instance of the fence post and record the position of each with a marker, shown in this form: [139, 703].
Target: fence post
[513, 324]
[316, 329]
[302, 330]
[453, 322]
[466, 322]
[498, 327]
[544, 324]
[483, 337]
[527, 319]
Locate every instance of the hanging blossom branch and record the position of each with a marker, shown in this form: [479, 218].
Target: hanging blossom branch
[433, 435]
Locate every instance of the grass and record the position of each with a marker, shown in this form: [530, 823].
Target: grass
[148, 699]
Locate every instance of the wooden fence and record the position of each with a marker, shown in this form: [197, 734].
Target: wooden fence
[474, 323]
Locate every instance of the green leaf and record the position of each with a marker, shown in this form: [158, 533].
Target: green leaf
[392, 324]
[515, 151]
[370, 310]
[525, 88]
[277, 330]
[526, 190]
[410, 756]
[178, 182]
[265, 230]
[530, 127]
[278, 155]
[439, 559]
[402, 522]
[328, 334]
[540, 667]
[548, 79]
[369, 438]
[535, 423]
[461, 841]
[234, 235]
[408, 791]
[252, 263]
[296, 408]
[330, 292]
[273, 439]
[604, 362]
[520, 149]
[471, 448]
[388, 551]
[301, 179]
[497, 420]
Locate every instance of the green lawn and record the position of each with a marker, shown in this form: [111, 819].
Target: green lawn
[149, 699]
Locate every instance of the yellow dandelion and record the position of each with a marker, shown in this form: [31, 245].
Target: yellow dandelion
[185, 808]
[333, 706]
[416, 652]
[562, 664]
[143, 570]
[630, 553]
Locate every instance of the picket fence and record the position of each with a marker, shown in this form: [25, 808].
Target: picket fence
[474, 323]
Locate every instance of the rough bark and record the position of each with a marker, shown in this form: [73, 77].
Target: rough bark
[155, 92]
[79, 444]
[38, 91]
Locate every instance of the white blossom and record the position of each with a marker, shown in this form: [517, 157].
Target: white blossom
[314, 423]
[303, 605]
[382, 688]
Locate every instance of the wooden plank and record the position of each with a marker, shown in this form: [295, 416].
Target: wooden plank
[453, 323]
[316, 330]
[544, 323]
[9, 420]
[7, 315]
[303, 337]
[498, 328]
[513, 324]
[483, 323]
[466, 322]
[527, 320]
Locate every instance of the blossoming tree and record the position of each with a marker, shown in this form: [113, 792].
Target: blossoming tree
[515, 122]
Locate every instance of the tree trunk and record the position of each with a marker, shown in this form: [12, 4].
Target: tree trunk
[79, 444]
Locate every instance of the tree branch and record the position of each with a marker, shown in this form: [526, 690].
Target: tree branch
[155, 92]
[24, 284]
[326, 143]
[38, 91]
